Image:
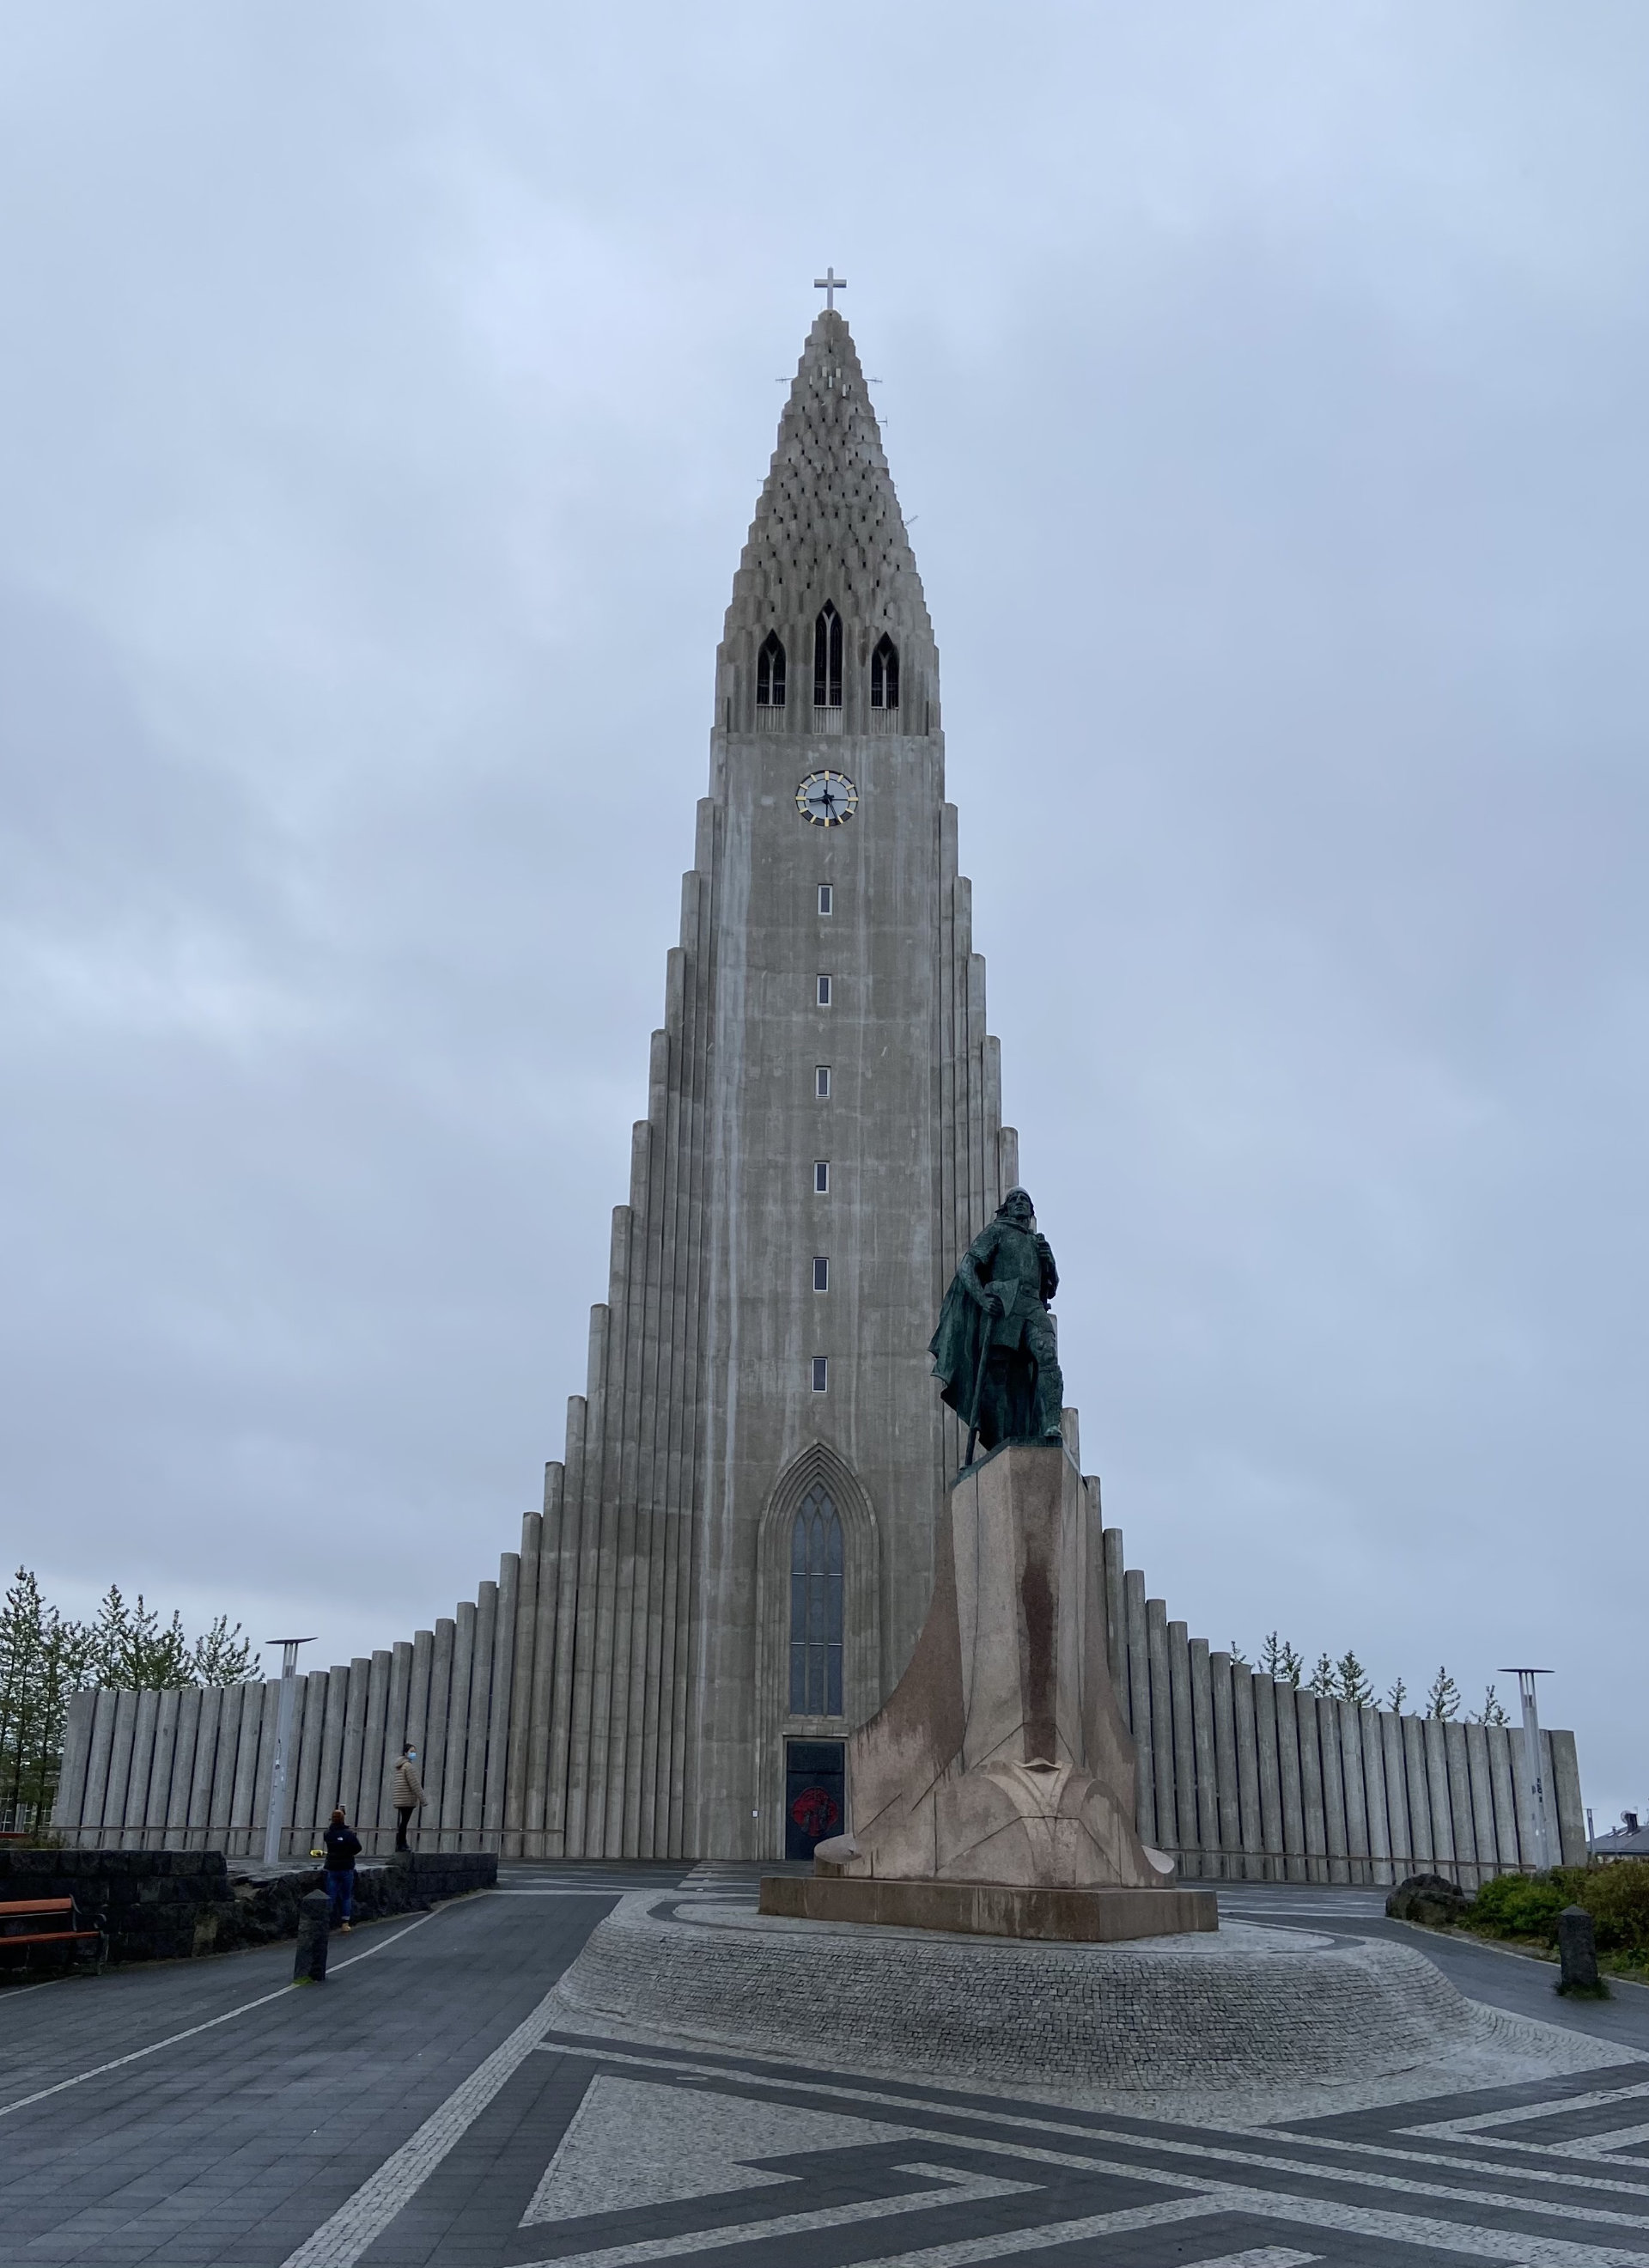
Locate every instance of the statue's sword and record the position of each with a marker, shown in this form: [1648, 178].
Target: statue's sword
[979, 1383]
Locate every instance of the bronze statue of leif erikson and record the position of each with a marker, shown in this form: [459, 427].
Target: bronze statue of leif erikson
[996, 1349]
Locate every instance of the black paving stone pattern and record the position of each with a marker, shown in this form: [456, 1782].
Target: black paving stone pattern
[412, 2110]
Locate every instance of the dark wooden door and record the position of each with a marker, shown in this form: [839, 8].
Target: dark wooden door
[815, 1794]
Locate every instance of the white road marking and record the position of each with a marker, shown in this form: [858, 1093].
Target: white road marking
[952, 2188]
[361, 2219]
[193, 2030]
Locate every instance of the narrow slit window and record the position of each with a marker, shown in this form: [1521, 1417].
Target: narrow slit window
[824, 992]
[821, 1374]
[822, 1080]
[821, 1176]
[885, 674]
[770, 672]
[821, 1272]
[816, 1604]
[827, 899]
[827, 659]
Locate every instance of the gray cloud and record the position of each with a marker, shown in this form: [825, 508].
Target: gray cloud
[386, 401]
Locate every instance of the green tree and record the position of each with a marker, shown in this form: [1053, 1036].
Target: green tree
[1354, 1680]
[1279, 1661]
[1323, 1679]
[1443, 1700]
[1493, 1712]
[46, 1658]
[1396, 1696]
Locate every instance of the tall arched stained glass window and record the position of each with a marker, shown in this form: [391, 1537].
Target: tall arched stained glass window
[770, 672]
[827, 659]
[885, 674]
[815, 1609]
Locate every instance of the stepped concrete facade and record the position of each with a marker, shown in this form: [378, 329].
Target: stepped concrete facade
[735, 1553]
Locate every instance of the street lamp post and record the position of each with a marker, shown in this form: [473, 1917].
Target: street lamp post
[276, 1817]
[1534, 1764]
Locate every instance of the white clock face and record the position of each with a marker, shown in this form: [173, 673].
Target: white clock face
[827, 799]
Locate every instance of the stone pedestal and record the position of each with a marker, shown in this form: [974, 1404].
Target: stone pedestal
[1000, 1760]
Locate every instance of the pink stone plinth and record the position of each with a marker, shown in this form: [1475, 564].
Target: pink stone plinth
[991, 1909]
[1001, 1758]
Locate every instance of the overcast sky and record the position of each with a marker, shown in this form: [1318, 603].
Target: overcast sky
[385, 394]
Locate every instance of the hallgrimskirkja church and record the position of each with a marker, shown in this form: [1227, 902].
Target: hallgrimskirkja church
[734, 1554]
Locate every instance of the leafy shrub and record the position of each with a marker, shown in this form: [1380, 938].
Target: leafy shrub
[1616, 1897]
[1522, 1905]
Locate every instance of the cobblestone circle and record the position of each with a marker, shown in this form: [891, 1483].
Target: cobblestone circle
[1247, 2006]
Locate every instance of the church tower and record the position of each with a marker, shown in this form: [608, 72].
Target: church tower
[743, 1526]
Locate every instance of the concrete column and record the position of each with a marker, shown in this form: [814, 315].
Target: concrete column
[546, 1669]
[1227, 1800]
[498, 1701]
[1504, 1791]
[1417, 1768]
[1436, 1783]
[354, 1735]
[1482, 1834]
[1563, 1781]
[521, 1688]
[451, 1798]
[1139, 1704]
[234, 1712]
[1202, 1749]
[157, 1808]
[581, 1737]
[395, 1722]
[258, 1754]
[1272, 1868]
[370, 1803]
[1352, 1804]
[135, 1808]
[434, 1775]
[480, 1717]
[418, 1699]
[1295, 1868]
[1245, 1692]
[560, 1840]
[198, 1819]
[1461, 1825]
[304, 1814]
[189, 1702]
[1166, 1833]
[1374, 1797]
[1184, 1745]
[1312, 1806]
[94, 1809]
[1400, 1840]
[329, 1770]
[1114, 1571]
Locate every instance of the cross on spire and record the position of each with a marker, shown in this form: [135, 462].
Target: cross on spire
[830, 284]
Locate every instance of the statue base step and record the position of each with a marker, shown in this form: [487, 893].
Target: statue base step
[1065, 1916]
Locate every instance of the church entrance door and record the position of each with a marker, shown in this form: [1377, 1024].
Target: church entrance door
[815, 1794]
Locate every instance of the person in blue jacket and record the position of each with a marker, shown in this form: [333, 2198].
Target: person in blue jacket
[343, 1847]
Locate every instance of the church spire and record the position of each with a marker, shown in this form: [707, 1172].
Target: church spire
[828, 532]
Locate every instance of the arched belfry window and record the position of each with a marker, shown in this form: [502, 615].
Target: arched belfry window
[815, 1609]
[885, 674]
[827, 659]
[770, 672]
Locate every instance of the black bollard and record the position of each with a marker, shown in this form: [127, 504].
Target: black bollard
[1577, 1950]
[309, 1963]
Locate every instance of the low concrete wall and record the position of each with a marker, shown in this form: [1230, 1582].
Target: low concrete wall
[172, 1905]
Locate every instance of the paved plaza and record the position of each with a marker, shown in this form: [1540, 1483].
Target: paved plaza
[428, 2104]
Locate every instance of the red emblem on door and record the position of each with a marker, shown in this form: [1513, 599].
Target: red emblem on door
[816, 1812]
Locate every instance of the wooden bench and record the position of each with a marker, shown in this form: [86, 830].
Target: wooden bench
[26, 1923]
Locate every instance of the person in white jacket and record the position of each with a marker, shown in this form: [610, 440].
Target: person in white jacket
[406, 1792]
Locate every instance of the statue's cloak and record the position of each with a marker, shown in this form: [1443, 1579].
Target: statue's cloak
[956, 1347]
